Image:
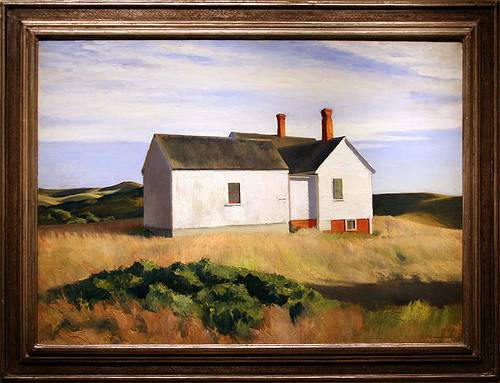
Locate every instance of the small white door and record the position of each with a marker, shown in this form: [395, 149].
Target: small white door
[303, 198]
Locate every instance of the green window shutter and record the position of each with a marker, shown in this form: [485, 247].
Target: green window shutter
[234, 192]
[337, 188]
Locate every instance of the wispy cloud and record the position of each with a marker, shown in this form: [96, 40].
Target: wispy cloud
[133, 89]
[439, 61]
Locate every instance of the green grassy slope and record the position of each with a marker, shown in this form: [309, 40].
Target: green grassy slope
[82, 205]
[434, 208]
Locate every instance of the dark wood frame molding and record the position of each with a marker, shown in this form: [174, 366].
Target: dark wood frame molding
[25, 22]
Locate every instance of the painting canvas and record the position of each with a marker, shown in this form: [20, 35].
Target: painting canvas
[249, 192]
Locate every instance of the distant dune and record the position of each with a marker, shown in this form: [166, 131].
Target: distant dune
[428, 208]
[90, 205]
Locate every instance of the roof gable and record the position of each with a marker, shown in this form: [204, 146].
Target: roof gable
[360, 157]
[207, 153]
[309, 157]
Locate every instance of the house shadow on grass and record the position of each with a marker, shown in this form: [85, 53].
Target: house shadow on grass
[373, 296]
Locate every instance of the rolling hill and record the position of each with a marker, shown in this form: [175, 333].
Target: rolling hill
[125, 201]
[434, 209]
[89, 205]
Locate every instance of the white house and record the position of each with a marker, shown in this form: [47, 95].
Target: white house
[256, 182]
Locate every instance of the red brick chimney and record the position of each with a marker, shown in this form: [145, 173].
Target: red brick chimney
[326, 124]
[281, 124]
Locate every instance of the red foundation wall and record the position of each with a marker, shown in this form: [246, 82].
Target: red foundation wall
[363, 225]
[337, 226]
[303, 223]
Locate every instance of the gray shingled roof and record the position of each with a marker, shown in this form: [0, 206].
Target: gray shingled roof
[198, 152]
[308, 157]
[279, 142]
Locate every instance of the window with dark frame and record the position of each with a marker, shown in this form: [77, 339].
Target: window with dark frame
[350, 224]
[337, 189]
[233, 192]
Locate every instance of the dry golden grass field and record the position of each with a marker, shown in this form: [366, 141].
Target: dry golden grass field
[399, 248]
[129, 323]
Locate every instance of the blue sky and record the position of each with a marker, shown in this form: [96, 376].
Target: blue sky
[398, 102]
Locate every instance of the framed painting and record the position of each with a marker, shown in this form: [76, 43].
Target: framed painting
[250, 191]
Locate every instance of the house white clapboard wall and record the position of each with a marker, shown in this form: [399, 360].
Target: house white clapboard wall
[256, 182]
[194, 183]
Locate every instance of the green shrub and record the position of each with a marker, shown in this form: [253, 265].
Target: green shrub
[80, 294]
[295, 310]
[182, 279]
[276, 289]
[53, 216]
[228, 299]
[46, 218]
[160, 296]
[147, 265]
[74, 219]
[117, 281]
[60, 215]
[56, 216]
[89, 217]
[184, 306]
[178, 277]
[212, 274]
[230, 309]
[267, 289]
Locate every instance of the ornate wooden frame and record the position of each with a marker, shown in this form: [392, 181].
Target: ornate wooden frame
[475, 23]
